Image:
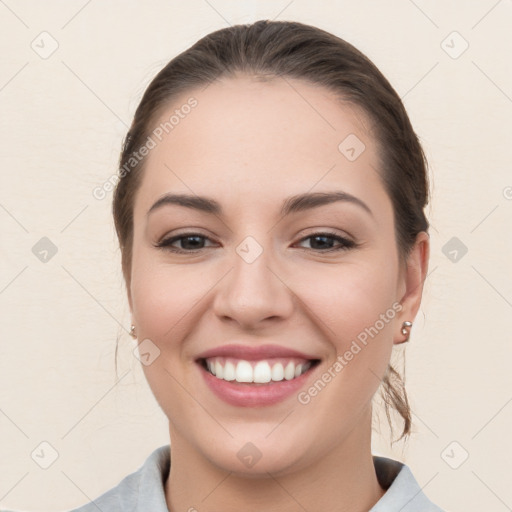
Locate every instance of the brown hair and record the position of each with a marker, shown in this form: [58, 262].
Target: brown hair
[290, 49]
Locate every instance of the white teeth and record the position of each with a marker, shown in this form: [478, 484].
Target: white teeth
[219, 370]
[277, 372]
[289, 371]
[261, 373]
[243, 371]
[229, 371]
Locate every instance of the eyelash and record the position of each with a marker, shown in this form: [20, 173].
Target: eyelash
[345, 243]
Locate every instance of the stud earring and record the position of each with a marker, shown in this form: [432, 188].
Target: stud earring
[405, 329]
[132, 332]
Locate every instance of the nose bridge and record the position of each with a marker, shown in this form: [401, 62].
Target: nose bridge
[252, 291]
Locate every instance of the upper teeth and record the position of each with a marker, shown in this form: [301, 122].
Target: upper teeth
[256, 371]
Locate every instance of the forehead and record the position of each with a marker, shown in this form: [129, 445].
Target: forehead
[240, 114]
[260, 138]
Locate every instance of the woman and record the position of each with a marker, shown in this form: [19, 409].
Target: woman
[274, 246]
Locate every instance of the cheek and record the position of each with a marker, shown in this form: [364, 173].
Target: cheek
[163, 295]
[349, 298]
[357, 306]
[165, 299]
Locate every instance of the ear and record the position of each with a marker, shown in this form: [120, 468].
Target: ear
[132, 321]
[129, 295]
[130, 302]
[412, 277]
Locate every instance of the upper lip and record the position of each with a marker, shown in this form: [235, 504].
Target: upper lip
[253, 353]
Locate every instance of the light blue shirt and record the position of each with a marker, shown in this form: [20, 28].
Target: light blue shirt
[143, 490]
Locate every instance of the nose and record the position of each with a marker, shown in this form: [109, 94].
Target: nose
[254, 293]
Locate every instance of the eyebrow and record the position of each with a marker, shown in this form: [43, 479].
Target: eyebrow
[293, 204]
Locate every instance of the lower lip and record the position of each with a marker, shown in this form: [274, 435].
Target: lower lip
[243, 394]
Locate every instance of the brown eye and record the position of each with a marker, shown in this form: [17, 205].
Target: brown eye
[324, 242]
[190, 242]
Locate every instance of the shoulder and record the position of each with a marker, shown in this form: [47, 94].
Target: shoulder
[140, 490]
[403, 491]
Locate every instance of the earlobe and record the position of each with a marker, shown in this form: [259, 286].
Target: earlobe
[413, 278]
[406, 331]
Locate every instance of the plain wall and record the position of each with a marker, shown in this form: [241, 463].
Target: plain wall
[63, 117]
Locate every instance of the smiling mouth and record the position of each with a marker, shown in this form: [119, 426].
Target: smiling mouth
[265, 371]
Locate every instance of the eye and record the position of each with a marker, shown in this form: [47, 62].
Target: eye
[323, 242]
[190, 242]
[194, 242]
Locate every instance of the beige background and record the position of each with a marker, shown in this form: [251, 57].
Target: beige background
[63, 118]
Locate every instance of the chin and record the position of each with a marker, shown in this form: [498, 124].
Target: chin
[255, 456]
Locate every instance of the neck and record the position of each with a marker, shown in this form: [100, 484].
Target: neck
[344, 480]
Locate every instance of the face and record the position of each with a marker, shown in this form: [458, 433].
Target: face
[256, 284]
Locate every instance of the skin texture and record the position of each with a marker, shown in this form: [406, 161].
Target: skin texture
[250, 145]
